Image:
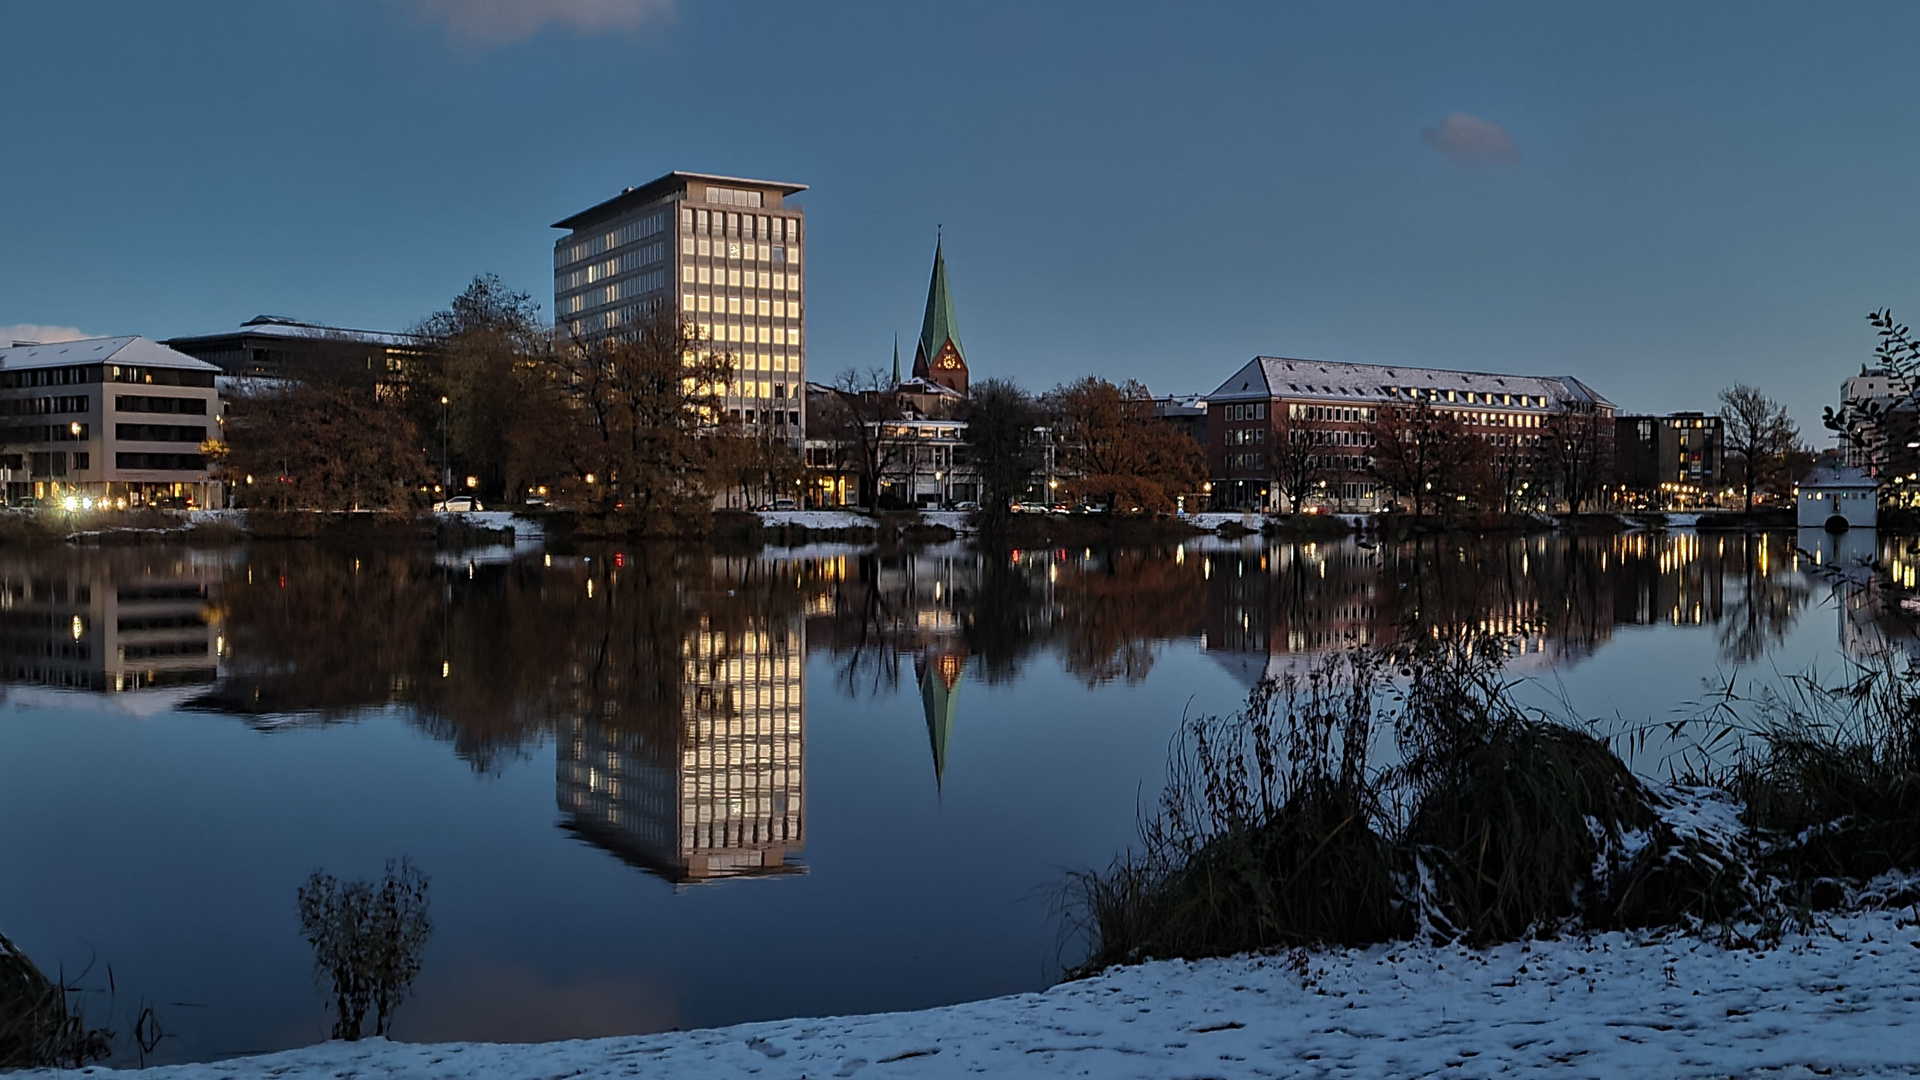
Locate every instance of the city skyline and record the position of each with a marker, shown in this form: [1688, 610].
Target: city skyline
[1663, 202]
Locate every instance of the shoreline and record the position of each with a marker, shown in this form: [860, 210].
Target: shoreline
[1832, 1001]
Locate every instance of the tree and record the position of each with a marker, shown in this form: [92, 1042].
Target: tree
[321, 447]
[1760, 432]
[759, 465]
[863, 405]
[1115, 452]
[1424, 454]
[1295, 465]
[637, 410]
[1577, 451]
[1001, 419]
[487, 348]
[1885, 430]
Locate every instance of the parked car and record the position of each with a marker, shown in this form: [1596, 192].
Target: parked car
[966, 504]
[785, 504]
[459, 504]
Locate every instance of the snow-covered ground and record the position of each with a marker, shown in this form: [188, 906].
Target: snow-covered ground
[1836, 1002]
[957, 520]
[816, 519]
[1213, 519]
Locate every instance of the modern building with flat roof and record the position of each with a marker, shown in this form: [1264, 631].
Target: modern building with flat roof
[727, 250]
[272, 347]
[1677, 460]
[118, 419]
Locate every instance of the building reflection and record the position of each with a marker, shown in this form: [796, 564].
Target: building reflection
[1276, 609]
[714, 785]
[107, 621]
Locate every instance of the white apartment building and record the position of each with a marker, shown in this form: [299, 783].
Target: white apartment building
[727, 250]
[115, 420]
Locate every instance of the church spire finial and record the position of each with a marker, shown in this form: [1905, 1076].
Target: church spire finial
[896, 358]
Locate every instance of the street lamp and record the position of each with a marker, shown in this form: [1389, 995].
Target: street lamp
[446, 466]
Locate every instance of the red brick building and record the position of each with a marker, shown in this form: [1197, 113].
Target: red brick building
[1332, 407]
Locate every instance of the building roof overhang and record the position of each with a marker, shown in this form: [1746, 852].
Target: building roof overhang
[665, 185]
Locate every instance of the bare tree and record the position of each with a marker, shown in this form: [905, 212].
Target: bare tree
[637, 410]
[1294, 463]
[1577, 450]
[1759, 430]
[863, 418]
[1423, 453]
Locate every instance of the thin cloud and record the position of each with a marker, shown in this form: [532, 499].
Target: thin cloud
[45, 335]
[1470, 141]
[501, 22]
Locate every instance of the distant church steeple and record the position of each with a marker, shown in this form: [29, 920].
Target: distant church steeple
[896, 359]
[938, 359]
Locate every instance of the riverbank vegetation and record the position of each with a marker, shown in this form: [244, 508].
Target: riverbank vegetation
[1285, 825]
[39, 1025]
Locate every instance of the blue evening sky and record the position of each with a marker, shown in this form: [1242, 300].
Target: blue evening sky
[1661, 199]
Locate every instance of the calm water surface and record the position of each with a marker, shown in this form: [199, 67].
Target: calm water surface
[664, 788]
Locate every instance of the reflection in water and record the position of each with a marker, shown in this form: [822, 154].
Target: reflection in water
[110, 621]
[724, 794]
[672, 681]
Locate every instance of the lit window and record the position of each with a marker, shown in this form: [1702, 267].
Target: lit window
[706, 303]
[686, 273]
[686, 245]
[765, 308]
[779, 309]
[686, 301]
[733, 278]
[706, 246]
[733, 305]
[779, 336]
[765, 279]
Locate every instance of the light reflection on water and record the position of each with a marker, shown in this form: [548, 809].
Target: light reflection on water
[909, 747]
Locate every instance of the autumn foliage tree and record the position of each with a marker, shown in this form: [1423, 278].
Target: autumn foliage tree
[1115, 453]
[321, 446]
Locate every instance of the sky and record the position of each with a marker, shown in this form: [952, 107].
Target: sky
[1661, 199]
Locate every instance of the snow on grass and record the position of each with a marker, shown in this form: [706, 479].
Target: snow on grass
[1835, 1002]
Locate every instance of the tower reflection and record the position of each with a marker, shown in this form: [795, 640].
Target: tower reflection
[716, 786]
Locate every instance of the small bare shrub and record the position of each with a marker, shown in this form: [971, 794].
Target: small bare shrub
[367, 939]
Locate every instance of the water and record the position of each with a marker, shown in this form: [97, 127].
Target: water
[661, 788]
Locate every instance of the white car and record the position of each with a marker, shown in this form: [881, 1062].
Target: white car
[459, 504]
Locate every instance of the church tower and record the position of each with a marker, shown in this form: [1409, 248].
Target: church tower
[938, 358]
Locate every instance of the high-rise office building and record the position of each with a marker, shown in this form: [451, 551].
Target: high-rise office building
[727, 250]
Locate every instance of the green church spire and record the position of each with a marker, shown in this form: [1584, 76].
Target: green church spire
[940, 326]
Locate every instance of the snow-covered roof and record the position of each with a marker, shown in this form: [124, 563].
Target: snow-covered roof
[273, 326]
[1326, 380]
[918, 385]
[130, 351]
[1827, 477]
